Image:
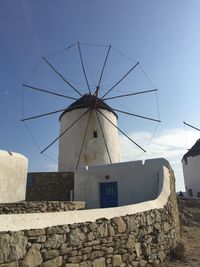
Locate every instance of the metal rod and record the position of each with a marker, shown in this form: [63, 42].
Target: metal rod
[48, 92]
[84, 139]
[139, 116]
[65, 131]
[136, 93]
[42, 115]
[191, 126]
[62, 76]
[120, 80]
[104, 64]
[79, 48]
[121, 131]
[103, 136]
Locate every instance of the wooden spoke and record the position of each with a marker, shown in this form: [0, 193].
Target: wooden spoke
[84, 139]
[191, 126]
[104, 139]
[65, 80]
[43, 115]
[65, 130]
[104, 64]
[47, 91]
[80, 54]
[136, 93]
[120, 80]
[121, 131]
[139, 116]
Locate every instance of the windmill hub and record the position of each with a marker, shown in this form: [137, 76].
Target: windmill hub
[89, 101]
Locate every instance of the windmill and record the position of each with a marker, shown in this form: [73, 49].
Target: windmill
[88, 126]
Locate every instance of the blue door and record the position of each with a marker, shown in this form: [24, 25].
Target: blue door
[108, 195]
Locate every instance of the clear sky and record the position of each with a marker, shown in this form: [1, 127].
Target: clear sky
[163, 36]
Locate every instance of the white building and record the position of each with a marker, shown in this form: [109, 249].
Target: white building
[92, 139]
[119, 184]
[13, 175]
[191, 170]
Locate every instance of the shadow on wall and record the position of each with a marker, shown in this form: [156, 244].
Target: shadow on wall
[50, 186]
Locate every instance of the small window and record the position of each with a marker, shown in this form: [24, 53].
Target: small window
[95, 135]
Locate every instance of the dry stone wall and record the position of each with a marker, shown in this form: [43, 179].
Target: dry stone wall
[142, 239]
[54, 186]
[40, 206]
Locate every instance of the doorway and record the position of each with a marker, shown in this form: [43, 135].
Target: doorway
[108, 195]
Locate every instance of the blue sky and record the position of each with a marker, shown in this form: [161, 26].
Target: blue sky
[163, 36]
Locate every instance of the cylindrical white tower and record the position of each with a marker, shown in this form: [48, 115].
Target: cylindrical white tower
[92, 139]
[191, 170]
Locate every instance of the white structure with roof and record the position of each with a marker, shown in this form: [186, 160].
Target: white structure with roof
[92, 140]
[191, 170]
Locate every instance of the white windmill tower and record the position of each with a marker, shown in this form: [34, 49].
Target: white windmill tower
[88, 127]
[92, 139]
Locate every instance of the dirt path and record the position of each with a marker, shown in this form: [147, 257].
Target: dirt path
[190, 234]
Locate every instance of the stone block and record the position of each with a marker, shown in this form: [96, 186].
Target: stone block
[121, 226]
[116, 260]
[57, 262]
[33, 257]
[55, 241]
[12, 246]
[100, 262]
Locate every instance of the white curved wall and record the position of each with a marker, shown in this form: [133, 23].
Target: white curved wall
[191, 171]
[13, 175]
[136, 181]
[94, 151]
[16, 222]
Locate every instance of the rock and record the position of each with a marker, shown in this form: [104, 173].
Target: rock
[149, 220]
[50, 254]
[65, 249]
[131, 224]
[102, 230]
[132, 257]
[86, 250]
[12, 246]
[35, 232]
[130, 242]
[90, 236]
[111, 231]
[100, 262]
[85, 264]
[138, 249]
[33, 258]
[75, 259]
[76, 237]
[72, 265]
[161, 255]
[166, 226]
[10, 264]
[96, 254]
[57, 262]
[41, 238]
[116, 260]
[142, 263]
[121, 226]
[55, 241]
[135, 263]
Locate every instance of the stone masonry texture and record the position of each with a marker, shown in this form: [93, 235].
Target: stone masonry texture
[54, 186]
[142, 239]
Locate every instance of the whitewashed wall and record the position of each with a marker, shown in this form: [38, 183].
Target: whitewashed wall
[94, 151]
[17, 222]
[191, 171]
[13, 175]
[137, 182]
